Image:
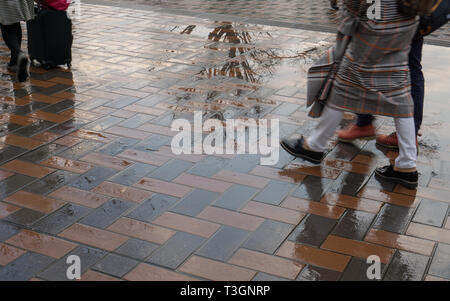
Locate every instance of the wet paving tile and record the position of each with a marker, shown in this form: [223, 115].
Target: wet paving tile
[152, 208]
[136, 248]
[357, 270]
[354, 224]
[122, 102]
[25, 267]
[154, 142]
[14, 183]
[59, 107]
[24, 217]
[51, 182]
[235, 197]
[43, 153]
[136, 121]
[406, 266]
[118, 146]
[274, 192]
[171, 170]
[313, 230]
[115, 265]
[176, 250]
[431, 213]
[103, 123]
[268, 237]
[27, 168]
[208, 166]
[34, 201]
[440, 265]
[243, 163]
[93, 178]
[312, 273]
[313, 188]
[8, 230]
[348, 183]
[10, 152]
[393, 218]
[132, 174]
[195, 202]
[58, 271]
[9, 253]
[35, 128]
[266, 277]
[61, 219]
[79, 150]
[7, 128]
[107, 213]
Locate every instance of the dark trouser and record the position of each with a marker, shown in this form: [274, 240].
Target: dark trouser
[417, 85]
[12, 35]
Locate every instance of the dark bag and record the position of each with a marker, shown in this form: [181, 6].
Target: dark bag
[50, 38]
[415, 7]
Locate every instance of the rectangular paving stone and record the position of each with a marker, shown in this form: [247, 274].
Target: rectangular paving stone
[202, 183]
[24, 217]
[314, 256]
[107, 213]
[10, 152]
[429, 232]
[354, 224]
[25, 267]
[187, 224]
[136, 248]
[312, 273]
[136, 121]
[103, 123]
[268, 237]
[67, 164]
[115, 265]
[51, 182]
[154, 142]
[313, 207]
[393, 218]
[357, 270]
[7, 209]
[88, 257]
[274, 192]
[14, 183]
[146, 272]
[117, 146]
[80, 149]
[208, 167]
[393, 198]
[106, 161]
[123, 192]
[224, 243]
[241, 179]
[40, 125]
[440, 264]
[7, 230]
[266, 263]
[176, 250]
[97, 276]
[406, 266]
[132, 174]
[351, 202]
[272, 212]
[41, 243]
[9, 254]
[34, 202]
[195, 202]
[357, 248]
[235, 197]
[21, 141]
[163, 187]
[27, 168]
[231, 218]
[313, 188]
[313, 230]
[431, 213]
[144, 157]
[348, 183]
[141, 230]
[93, 178]
[61, 219]
[78, 196]
[171, 170]
[216, 271]
[43, 153]
[153, 207]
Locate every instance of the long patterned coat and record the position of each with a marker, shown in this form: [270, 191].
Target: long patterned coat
[13, 11]
[373, 76]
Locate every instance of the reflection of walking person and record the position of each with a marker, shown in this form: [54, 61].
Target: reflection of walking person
[372, 78]
[11, 13]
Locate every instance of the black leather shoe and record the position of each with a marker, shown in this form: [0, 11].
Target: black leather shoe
[295, 148]
[406, 179]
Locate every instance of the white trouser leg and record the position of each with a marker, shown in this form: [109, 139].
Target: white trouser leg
[325, 129]
[406, 135]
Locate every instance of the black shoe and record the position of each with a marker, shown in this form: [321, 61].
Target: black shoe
[23, 68]
[406, 179]
[295, 148]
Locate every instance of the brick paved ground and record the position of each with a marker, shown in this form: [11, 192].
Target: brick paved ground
[86, 167]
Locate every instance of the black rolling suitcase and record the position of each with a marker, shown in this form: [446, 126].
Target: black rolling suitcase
[50, 38]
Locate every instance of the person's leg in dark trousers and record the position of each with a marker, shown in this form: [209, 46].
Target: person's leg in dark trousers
[12, 35]
[417, 80]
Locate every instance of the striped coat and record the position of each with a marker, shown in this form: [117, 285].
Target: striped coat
[373, 76]
[13, 11]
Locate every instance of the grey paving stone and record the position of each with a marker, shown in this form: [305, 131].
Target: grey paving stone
[285, 109]
[354, 224]
[25, 267]
[115, 265]
[93, 178]
[393, 218]
[431, 213]
[24, 217]
[61, 218]
[208, 166]
[243, 163]
[195, 202]
[266, 277]
[406, 266]
[10, 152]
[153, 143]
[356, 270]
[268, 237]
[152, 208]
[136, 248]
[136, 121]
[79, 150]
[51, 182]
[313, 188]
[440, 266]
[117, 146]
[13, 183]
[274, 192]
[171, 170]
[107, 213]
[132, 174]
[176, 250]
[313, 273]
[8, 230]
[44, 152]
[224, 243]
[35, 128]
[235, 197]
[313, 230]
[348, 183]
[122, 101]
[104, 123]
[88, 257]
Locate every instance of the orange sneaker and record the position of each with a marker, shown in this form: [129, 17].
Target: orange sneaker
[354, 132]
[389, 141]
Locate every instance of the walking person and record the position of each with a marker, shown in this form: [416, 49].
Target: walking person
[12, 12]
[363, 128]
[372, 77]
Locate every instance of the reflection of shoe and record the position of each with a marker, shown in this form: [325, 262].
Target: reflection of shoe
[389, 141]
[12, 68]
[406, 179]
[354, 132]
[23, 68]
[295, 148]
[334, 5]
